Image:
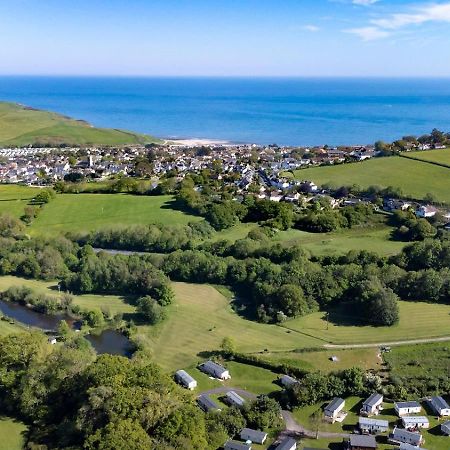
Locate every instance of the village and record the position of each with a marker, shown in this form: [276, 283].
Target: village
[372, 421]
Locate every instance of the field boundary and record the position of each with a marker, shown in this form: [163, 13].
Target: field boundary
[434, 163]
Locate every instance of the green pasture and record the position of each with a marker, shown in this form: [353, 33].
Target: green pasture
[11, 434]
[415, 178]
[441, 156]
[417, 320]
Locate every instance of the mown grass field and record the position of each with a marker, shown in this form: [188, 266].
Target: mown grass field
[415, 178]
[365, 358]
[14, 198]
[441, 156]
[11, 434]
[198, 321]
[20, 125]
[85, 212]
[111, 303]
[417, 320]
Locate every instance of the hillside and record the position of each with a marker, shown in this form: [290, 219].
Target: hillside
[21, 125]
[414, 178]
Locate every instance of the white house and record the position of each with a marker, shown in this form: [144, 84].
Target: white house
[426, 211]
[255, 436]
[402, 408]
[373, 405]
[415, 422]
[369, 425]
[215, 370]
[234, 399]
[235, 445]
[288, 381]
[287, 444]
[333, 411]
[440, 406]
[185, 380]
[400, 436]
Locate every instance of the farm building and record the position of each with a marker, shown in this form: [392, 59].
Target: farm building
[402, 408]
[426, 211]
[362, 442]
[414, 422]
[256, 436]
[235, 445]
[400, 436]
[373, 425]
[288, 381]
[445, 428]
[373, 405]
[185, 380]
[234, 399]
[206, 403]
[287, 444]
[333, 411]
[440, 406]
[215, 370]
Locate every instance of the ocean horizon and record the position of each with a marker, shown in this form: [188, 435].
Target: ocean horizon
[282, 110]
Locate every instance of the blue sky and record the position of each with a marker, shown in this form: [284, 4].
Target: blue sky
[225, 37]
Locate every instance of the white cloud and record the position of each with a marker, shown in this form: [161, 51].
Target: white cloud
[312, 28]
[369, 33]
[431, 13]
[364, 2]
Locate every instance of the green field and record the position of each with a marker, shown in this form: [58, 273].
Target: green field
[111, 303]
[11, 434]
[365, 358]
[415, 178]
[439, 156]
[198, 321]
[417, 320]
[85, 212]
[20, 125]
[14, 198]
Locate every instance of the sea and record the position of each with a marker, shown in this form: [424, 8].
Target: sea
[283, 111]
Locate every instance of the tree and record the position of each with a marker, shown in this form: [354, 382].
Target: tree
[150, 310]
[291, 300]
[228, 345]
[63, 329]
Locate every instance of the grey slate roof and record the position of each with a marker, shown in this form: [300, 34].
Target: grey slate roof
[235, 398]
[373, 400]
[439, 403]
[369, 421]
[206, 402]
[254, 435]
[361, 440]
[212, 367]
[235, 445]
[446, 427]
[184, 376]
[334, 404]
[286, 444]
[403, 435]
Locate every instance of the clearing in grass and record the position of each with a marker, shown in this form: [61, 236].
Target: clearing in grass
[417, 320]
[414, 178]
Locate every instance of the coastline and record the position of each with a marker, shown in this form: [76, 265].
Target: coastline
[193, 142]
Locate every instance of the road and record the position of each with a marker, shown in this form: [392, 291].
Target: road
[292, 427]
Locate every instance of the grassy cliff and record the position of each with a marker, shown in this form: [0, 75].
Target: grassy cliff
[22, 125]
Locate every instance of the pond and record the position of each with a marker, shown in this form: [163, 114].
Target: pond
[108, 341]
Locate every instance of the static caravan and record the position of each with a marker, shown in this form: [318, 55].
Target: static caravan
[367, 425]
[215, 370]
[287, 444]
[206, 403]
[288, 381]
[415, 422]
[185, 380]
[235, 445]
[234, 399]
[400, 436]
[333, 410]
[402, 408]
[373, 405]
[255, 436]
[440, 406]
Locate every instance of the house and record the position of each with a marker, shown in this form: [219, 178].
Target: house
[185, 380]
[234, 399]
[333, 410]
[410, 447]
[373, 405]
[206, 403]
[440, 406]
[362, 442]
[445, 427]
[288, 381]
[255, 436]
[215, 370]
[367, 425]
[235, 445]
[287, 444]
[402, 408]
[415, 422]
[400, 436]
[426, 211]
